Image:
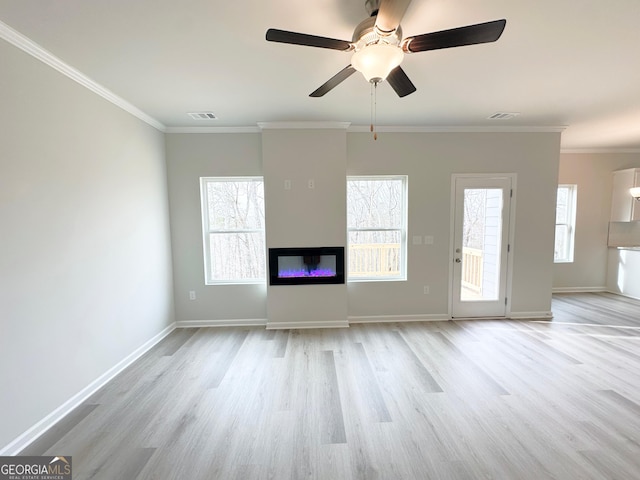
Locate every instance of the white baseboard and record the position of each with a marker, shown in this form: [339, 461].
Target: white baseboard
[301, 325]
[431, 317]
[28, 437]
[622, 294]
[578, 289]
[242, 322]
[529, 315]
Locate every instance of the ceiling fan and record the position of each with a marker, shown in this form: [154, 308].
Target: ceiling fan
[379, 47]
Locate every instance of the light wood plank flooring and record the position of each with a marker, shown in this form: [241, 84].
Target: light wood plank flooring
[456, 400]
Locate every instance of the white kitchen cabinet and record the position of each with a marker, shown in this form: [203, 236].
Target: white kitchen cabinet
[625, 208]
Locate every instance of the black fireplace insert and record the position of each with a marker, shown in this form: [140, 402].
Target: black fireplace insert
[306, 266]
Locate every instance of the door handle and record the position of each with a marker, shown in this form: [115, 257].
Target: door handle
[458, 260]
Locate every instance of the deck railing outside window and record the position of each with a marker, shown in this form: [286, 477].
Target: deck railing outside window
[472, 269]
[374, 259]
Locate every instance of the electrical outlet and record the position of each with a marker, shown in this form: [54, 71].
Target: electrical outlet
[192, 295]
[426, 289]
[312, 184]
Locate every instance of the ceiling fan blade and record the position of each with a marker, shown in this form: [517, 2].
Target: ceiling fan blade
[334, 81]
[456, 37]
[283, 36]
[390, 14]
[400, 82]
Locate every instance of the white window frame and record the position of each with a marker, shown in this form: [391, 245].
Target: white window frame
[570, 225]
[402, 276]
[207, 230]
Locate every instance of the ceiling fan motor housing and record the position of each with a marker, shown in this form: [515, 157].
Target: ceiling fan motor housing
[366, 34]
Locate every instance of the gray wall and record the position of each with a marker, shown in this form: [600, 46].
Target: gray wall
[428, 159]
[304, 217]
[189, 157]
[596, 267]
[85, 263]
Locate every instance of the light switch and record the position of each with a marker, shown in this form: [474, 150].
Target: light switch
[287, 184]
[428, 239]
[417, 239]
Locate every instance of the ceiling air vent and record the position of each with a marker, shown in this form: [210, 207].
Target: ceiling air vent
[503, 116]
[202, 116]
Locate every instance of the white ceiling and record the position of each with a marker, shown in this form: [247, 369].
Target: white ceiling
[570, 63]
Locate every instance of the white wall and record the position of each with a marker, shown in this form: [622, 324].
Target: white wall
[595, 267]
[85, 272]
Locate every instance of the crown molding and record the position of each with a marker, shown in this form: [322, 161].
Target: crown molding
[459, 129]
[27, 45]
[364, 129]
[213, 130]
[303, 125]
[599, 150]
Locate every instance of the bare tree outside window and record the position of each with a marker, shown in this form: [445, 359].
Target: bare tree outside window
[233, 225]
[376, 212]
[475, 200]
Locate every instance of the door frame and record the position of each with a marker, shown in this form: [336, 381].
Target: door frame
[510, 236]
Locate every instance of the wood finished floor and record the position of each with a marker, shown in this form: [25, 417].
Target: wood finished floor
[458, 400]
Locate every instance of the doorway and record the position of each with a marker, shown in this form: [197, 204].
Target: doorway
[480, 245]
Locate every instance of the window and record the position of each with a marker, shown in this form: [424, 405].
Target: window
[233, 229]
[565, 223]
[376, 226]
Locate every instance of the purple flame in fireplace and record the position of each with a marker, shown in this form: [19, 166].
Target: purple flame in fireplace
[301, 273]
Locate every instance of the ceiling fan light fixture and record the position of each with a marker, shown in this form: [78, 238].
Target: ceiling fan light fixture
[375, 61]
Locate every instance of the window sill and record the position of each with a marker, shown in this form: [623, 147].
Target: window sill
[376, 280]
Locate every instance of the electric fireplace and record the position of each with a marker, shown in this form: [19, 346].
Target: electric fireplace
[306, 266]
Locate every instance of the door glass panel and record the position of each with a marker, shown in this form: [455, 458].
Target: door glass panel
[481, 244]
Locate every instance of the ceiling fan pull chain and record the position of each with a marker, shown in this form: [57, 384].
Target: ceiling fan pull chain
[375, 109]
[374, 104]
[371, 106]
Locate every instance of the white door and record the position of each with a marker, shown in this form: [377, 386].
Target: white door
[480, 249]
